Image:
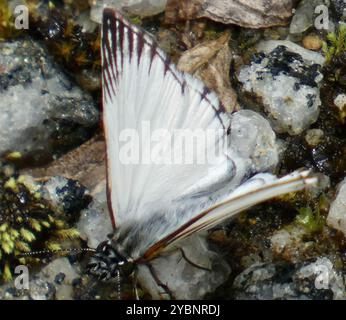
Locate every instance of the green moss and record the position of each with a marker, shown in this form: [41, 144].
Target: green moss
[27, 223]
[134, 19]
[312, 220]
[335, 44]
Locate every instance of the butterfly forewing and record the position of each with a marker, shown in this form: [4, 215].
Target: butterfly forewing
[141, 90]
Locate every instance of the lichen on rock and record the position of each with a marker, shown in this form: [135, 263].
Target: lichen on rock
[287, 84]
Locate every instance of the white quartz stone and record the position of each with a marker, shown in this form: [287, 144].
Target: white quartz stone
[340, 101]
[337, 212]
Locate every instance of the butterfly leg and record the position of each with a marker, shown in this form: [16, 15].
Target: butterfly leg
[159, 282]
[135, 285]
[191, 262]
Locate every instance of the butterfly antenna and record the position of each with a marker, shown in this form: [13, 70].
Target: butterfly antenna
[43, 252]
[119, 285]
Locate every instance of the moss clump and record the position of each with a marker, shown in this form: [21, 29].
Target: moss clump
[312, 219]
[134, 19]
[335, 44]
[27, 223]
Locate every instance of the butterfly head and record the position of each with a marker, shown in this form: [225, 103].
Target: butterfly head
[107, 263]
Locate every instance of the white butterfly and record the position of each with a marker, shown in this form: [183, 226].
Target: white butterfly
[155, 205]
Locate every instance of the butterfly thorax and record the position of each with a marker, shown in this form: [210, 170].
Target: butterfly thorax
[107, 262]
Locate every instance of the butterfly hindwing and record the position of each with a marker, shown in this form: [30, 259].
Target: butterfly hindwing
[259, 188]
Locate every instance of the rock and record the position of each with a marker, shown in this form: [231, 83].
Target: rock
[337, 212]
[257, 14]
[311, 281]
[252, 139]
[314, 137]
[289, 243]
[41, 289]
[312, 42]
[44, 285]
[58, 269]
[308, 55]
[340, 102]
[142, 8]
[66, 195]
[286, 82]
[304, 16]
[325, 277]
[95, 224]
[53, 282]
[43, 110]
[184, 280]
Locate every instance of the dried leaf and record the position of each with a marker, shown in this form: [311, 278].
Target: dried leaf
[210, 62]
[249, 14]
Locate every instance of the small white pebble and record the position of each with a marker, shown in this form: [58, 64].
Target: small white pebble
[340, 101]
[314, 137]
